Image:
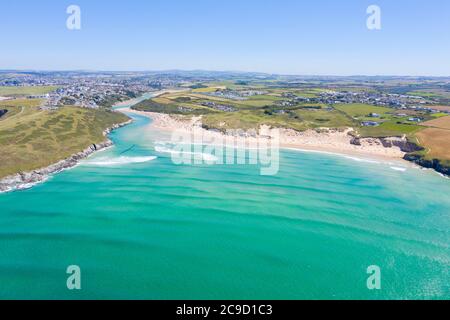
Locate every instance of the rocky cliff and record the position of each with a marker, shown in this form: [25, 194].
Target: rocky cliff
[429, 164]
[410, 149]
[402, 143]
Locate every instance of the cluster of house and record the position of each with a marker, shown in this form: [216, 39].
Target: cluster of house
[424, 109]
[377, 123]
[91, 94]
[369, 97]
[235, 94]
[220, 107]
[84, 90]
[184, 109]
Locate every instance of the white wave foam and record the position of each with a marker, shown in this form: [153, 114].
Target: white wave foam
[334, 154]
[399, 169]
[218, 145]
[362, 159]
[106, 161]
[204, 156]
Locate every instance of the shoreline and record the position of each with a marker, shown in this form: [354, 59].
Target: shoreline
[331, 141]
[26, 180]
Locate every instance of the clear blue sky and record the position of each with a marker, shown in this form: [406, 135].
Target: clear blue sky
[277, 36]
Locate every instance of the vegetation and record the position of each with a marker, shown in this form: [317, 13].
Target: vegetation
[438, 95]
[389, 129]
[436, 142]
[26, 91]
[299, 120]
[198, 86]
[270, 109]
[362, 111]
[31, 138]
[162, 105]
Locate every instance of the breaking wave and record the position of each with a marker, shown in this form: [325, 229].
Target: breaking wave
[107, 161]
[399, 169]
[203, 156]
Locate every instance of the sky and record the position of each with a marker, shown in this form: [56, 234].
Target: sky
[315, 37]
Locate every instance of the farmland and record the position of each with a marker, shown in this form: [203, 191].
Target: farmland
[437, 143]
[441, 123]
[436, 139]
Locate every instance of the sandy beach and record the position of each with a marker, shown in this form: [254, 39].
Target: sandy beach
[324, 140]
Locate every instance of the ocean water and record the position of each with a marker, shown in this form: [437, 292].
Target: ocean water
[141, 227]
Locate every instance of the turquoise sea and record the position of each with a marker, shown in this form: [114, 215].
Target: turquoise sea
[145, 228]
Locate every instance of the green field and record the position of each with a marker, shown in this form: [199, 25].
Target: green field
[31, 139]
[171, 106]
[25, 91]
[389, 129]
[358, 110]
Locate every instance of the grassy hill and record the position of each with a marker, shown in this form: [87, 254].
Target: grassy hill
[31, 139]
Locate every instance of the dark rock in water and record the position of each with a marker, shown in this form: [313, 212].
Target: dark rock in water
[428, 164]
[418, 159]
[3, 112]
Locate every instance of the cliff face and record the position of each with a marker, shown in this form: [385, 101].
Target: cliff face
[402, 143]
[410, 149]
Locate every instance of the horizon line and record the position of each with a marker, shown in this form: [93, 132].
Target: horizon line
[222, 71]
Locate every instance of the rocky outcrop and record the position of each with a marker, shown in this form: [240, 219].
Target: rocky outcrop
[356, 141]
[3, 112]
[25, 180]
[402, 143]
[407, 147]
[434, 164]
